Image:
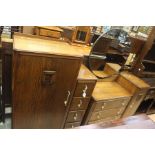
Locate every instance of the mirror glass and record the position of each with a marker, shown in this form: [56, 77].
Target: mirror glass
[114, 47]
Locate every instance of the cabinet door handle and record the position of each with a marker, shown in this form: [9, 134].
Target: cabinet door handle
[84, 91]
[48, 77]
[66, 101]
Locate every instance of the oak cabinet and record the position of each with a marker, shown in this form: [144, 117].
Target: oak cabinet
[43, 85]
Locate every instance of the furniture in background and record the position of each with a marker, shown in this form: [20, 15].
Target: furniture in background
[7, 52]
[132, 122]
[81, 35]
[1, 106]
[84, 87]
[137, 44]
[12, 29]
[48, 31]
[68, 31]
[144, 68]
[144, 62]
[148, 104]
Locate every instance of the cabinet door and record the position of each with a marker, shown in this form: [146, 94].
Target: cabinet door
[41, 85]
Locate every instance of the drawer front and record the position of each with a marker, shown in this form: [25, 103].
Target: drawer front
[75, 116]
[106, 113]
[105, 120]
[49, 33]
[72, 125]
[110, 104]
[79, 103]
[84, 89]
[43, 32]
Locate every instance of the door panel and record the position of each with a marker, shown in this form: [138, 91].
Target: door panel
[38, 104]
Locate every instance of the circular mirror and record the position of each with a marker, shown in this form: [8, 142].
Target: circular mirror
[113, 46]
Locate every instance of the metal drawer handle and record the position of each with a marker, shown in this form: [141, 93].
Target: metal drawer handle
[84, 91]
[131, 105]
[66, 101]
[75, 117]
[98, 116]
[79, 105]
[123, 103]
[102, 107]
[119, 111]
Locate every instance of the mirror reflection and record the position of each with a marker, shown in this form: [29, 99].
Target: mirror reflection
[114, 46]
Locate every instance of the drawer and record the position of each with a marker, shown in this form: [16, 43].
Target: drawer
[75, 116]
[72, 125]
[79, 103]
[110, 104]
[84, 89]
[49, 33]
[106, 120]
[106, 113]
[43, 32]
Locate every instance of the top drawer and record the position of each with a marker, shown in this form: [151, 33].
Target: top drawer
[84, 89]
[110, 104]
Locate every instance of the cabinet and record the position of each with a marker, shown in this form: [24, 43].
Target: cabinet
[43, 83]
[84, 87]
[109, 100]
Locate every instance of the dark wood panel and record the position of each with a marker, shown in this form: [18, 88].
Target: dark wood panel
[38, 103]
